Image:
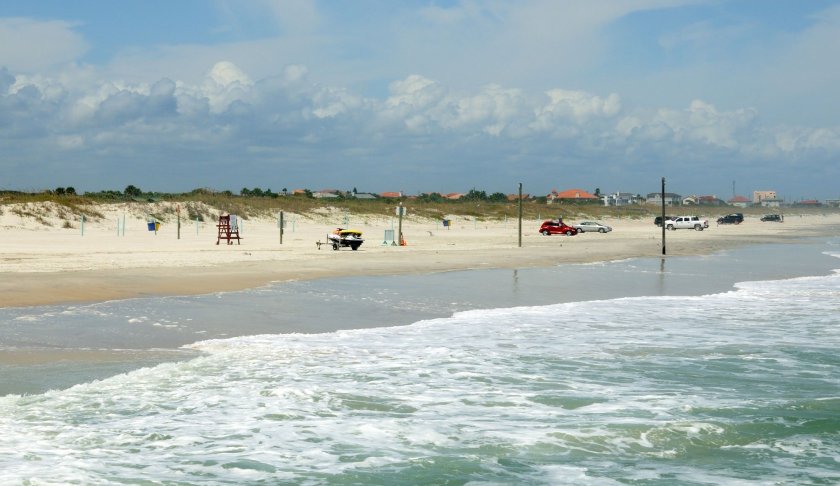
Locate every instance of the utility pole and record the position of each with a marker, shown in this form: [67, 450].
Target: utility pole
[662, 196]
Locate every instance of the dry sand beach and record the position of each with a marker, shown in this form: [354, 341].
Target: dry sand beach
[49, 264]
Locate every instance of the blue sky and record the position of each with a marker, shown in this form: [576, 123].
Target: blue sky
[421, 96]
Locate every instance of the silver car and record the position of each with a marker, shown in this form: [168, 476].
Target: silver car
[591, 226]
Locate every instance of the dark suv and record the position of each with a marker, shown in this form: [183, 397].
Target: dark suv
[658, 220]
[734, 218]
[776, 218]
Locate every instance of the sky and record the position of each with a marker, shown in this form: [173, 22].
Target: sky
[720, 97]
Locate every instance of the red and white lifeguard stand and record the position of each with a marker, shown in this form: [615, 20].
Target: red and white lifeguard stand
[228, 227]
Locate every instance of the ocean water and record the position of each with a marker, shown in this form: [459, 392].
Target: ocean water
[639, 372]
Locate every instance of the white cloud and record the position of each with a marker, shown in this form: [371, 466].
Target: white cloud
[28, 45]
[577, 106]
[225, 74]
[288, 121]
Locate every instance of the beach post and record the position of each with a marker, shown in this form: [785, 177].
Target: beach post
[82, 225]
[178, 210]
[520, 215]
[196, 225]
[400, 213]
[280, 224]
[662, 196]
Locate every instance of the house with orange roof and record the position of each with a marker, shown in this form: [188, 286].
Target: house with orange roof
[391, 195]
[571, 195]
[454, 196]
[739, 201]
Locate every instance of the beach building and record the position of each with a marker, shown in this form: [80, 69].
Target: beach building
[759, 196]
[621, 199]
[695, 200]
[671, 199]
[391, 194]
[738, 201]
[454, 196]
[772, 203]
[571, 195]
[767, 199]
[326, 194]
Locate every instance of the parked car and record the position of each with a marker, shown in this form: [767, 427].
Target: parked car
[777, 218]
[687, 222]
[552, 227]
[658, 220]
[591, 226]
[734, 218]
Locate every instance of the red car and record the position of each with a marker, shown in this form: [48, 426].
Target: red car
[552, 227]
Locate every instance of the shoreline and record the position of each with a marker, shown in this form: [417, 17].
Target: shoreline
[110, 271]
[63, 345]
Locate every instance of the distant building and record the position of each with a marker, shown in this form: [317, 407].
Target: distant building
[702, 201]
[671, 199]
[767, 199]
[326, 194]
[515, 197]
[571, 195]
[760, 196]
[771, 203]
[391, 195]
[453, 196]
[808, 203]
[739, 201]
[621, 199]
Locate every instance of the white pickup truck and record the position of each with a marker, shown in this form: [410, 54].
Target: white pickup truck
[687, 222]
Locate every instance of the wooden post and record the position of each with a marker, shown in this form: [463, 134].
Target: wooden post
[178, 210]
[82, 218]
[662, 195]
[520, 215]
[399, 234]
[281, 227]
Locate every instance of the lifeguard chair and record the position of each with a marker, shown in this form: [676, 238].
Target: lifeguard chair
[228, 229]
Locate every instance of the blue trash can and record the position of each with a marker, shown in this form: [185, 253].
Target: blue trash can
[151, 226]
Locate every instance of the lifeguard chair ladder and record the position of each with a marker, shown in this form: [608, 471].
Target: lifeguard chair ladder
[228, 230]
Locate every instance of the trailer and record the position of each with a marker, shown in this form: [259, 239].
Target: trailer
[343, 238]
